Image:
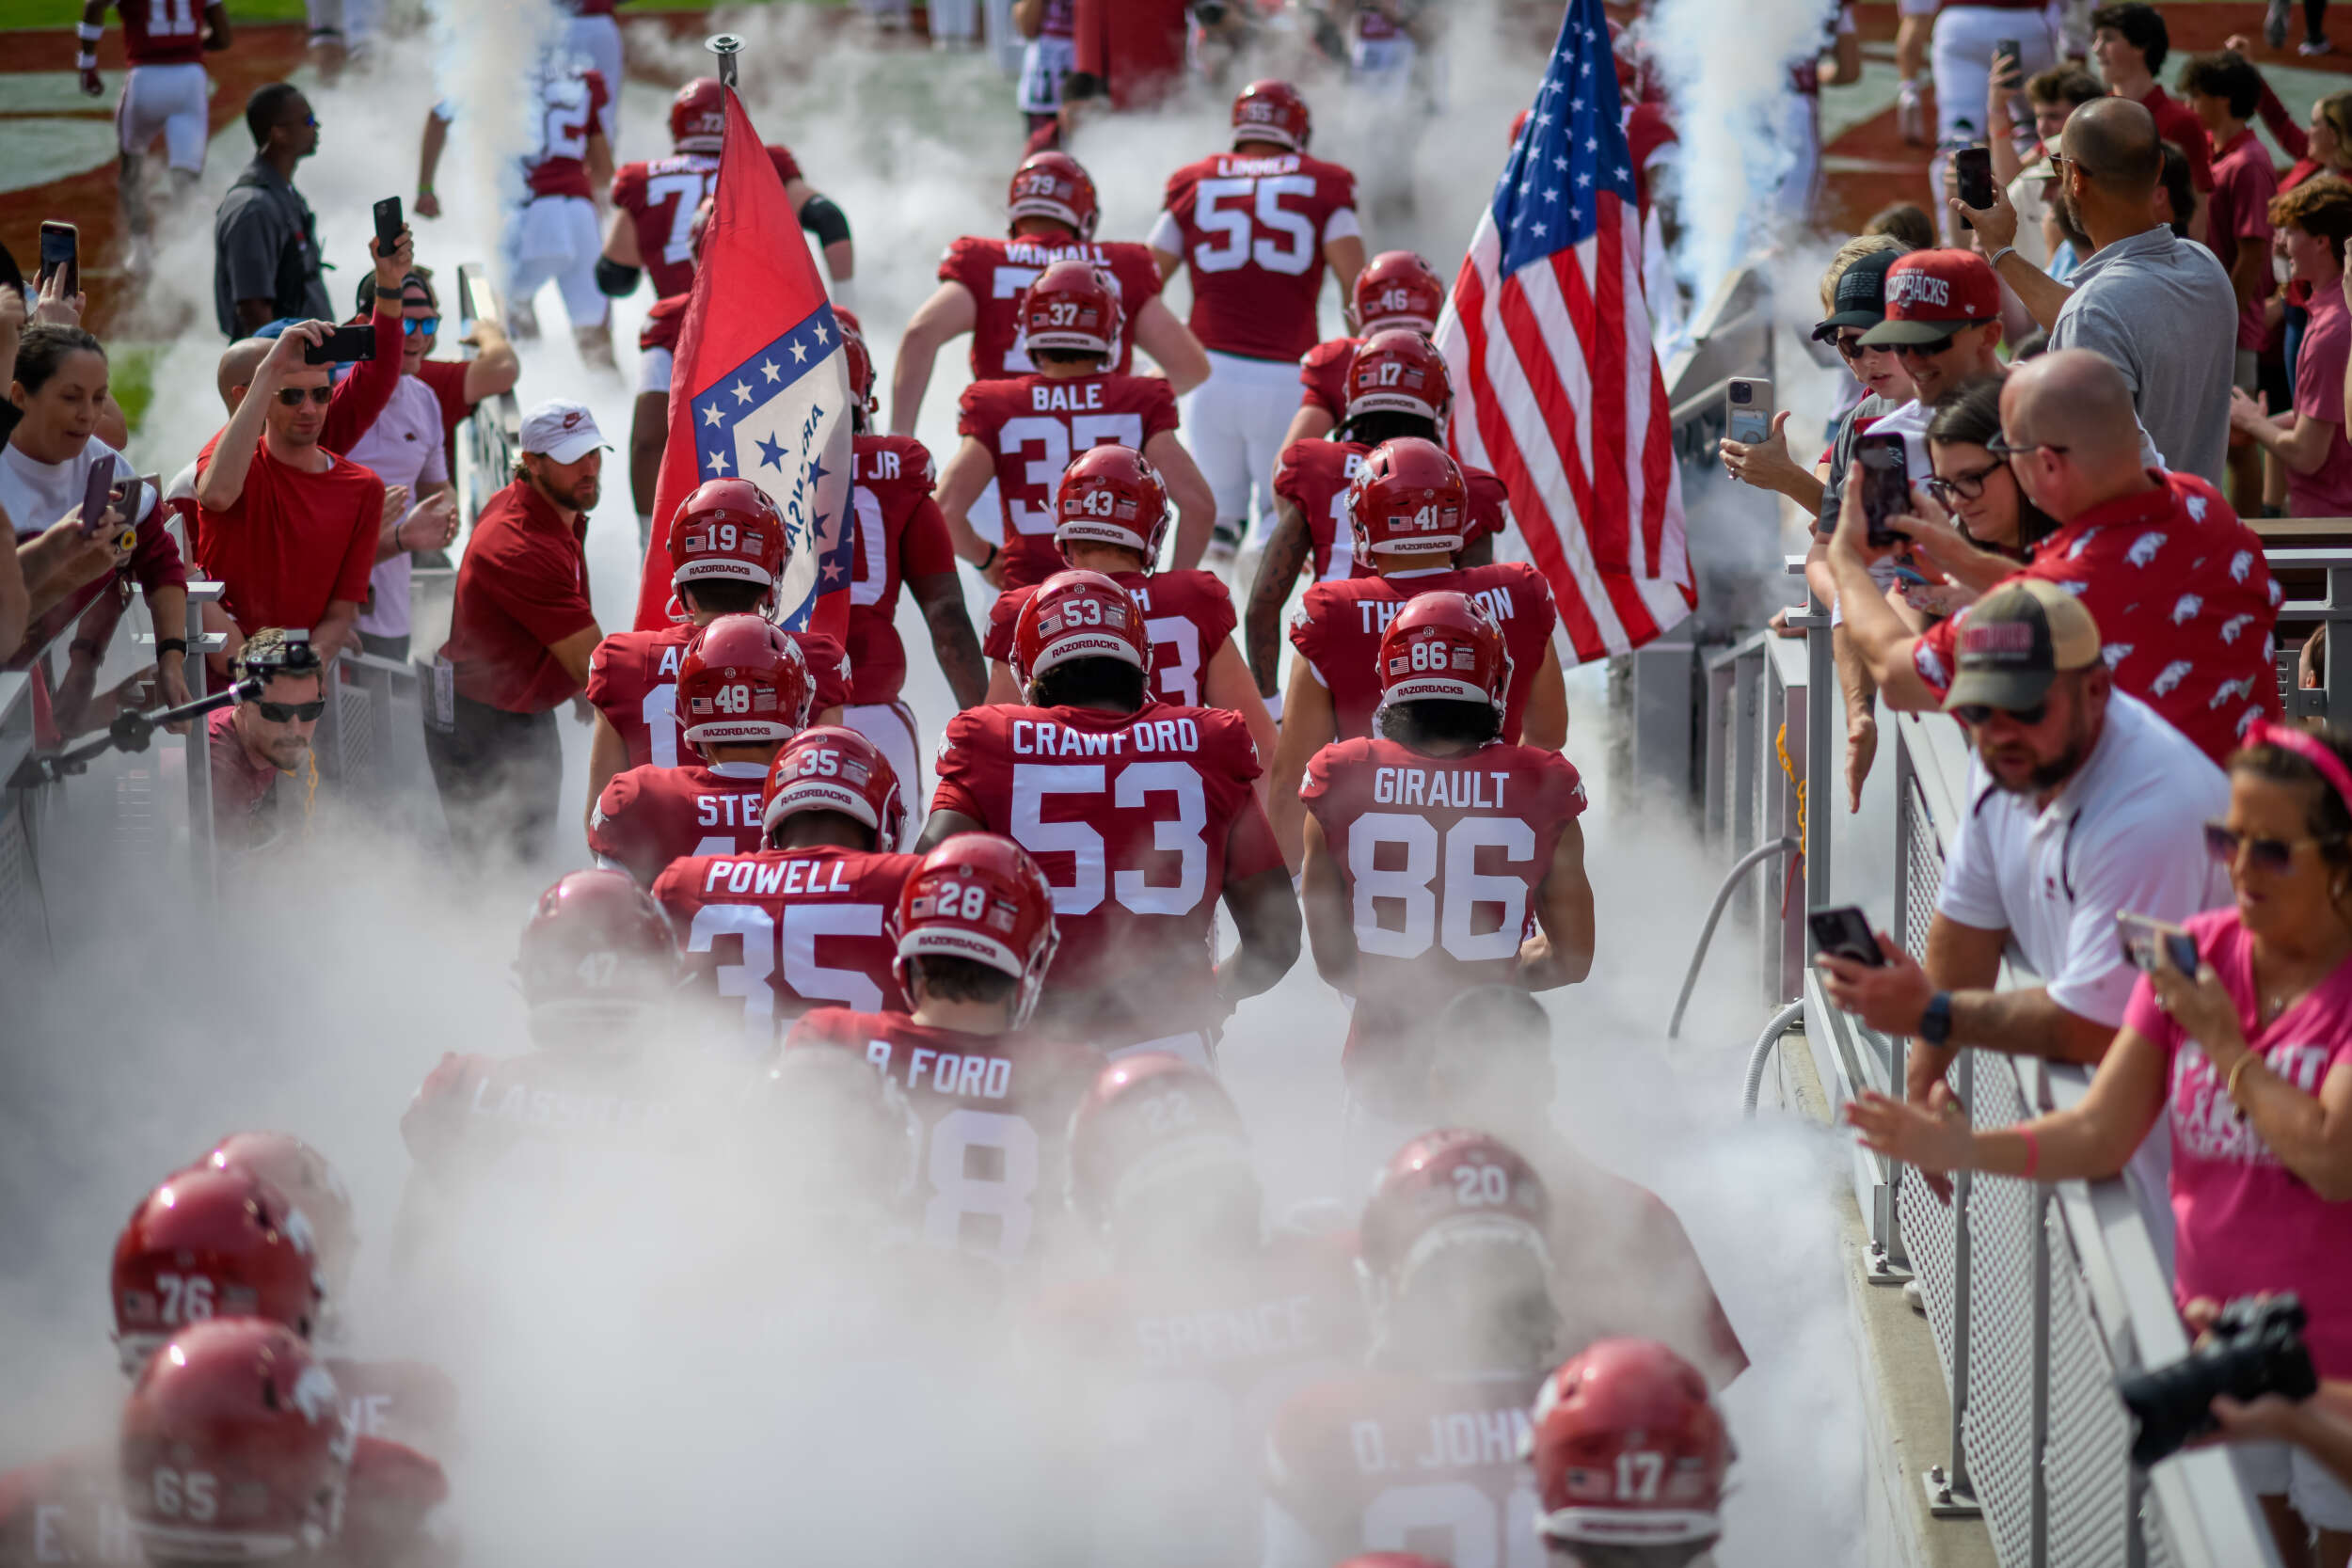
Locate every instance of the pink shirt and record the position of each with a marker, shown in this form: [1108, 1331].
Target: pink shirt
[2242, 1222]
[2326, 490]
[2238, 214]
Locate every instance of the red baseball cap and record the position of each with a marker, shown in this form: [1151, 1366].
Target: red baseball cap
[1933, 294]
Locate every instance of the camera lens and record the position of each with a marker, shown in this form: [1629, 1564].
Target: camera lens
[1740, 391]
[2256, 1348]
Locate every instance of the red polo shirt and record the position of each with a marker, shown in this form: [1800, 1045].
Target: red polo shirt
[2177, 123]
[293, 541]
[2238, 214]
[521, 588]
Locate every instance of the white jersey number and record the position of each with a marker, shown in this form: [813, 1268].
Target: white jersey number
[956, 1191]
[870, 567]
[1056, 441]
[685, 192]
[1404, 1518]
[1433, 910]
[1179, 835]
[790, 947]
[1252, 224]
[170, 19]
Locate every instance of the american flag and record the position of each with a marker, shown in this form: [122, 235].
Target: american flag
[1549, 339]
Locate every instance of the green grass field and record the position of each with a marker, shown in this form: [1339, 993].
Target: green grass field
[65, 13]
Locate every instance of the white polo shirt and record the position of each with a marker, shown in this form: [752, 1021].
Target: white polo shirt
[2125, 832]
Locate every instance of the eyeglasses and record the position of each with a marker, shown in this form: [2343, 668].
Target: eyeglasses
[2271, 855]
[292, 396]
[284, 713]
[1977, 715]
[1927, 350]
[2008, 451]
[1966, 487]
[420, 327]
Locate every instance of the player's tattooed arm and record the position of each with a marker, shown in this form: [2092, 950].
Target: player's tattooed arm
[1278, 571]
[952, 637]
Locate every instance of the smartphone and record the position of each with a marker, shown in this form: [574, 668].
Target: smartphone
[60, 249]
[342, 345]
[1883, 471]
[2148, 941]
[1845, 930]
[96, 494]
[1974, 166]
[2009, 50]
[388, 224]
[1748, 409]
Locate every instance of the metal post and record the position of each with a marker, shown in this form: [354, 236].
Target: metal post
[2040, 1441]
[201, 859]
[1950, 1493]
[2336, 680]
[726, 46]
[1821, 766]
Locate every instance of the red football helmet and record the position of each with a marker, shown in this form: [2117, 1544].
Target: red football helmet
[235, 1446]
[1408, 496]
[1078, 615]
[1445, 645]
[834, 768]
[861, 360]
[1628, 1451]
[1152, 1118]
[1398, 288]
[1272, 111]
[1053, 185]
[1072, 306]
[212, 1243]
[979, 896]
[1445, 1186]
[727, 531]
[598, 951]
[1397, 371]
[302, 1173]
[698, 116]
[1111, 495]
[743, 680]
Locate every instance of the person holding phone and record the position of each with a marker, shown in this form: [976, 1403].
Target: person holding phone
[2248, 1061]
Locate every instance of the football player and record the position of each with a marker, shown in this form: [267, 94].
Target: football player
[1024, 431]
[1623, 1261]
[1396, 384]
[1110, 516]
[743, 691]
[1629, 1458]
[1206, 1322]
[1408, 509]
[164, 93]
[974, 934]
[1424, 1445]
[802, 910]
[900, 539]
[1051, 213]
[727, 553]
[551, 236]
[1395, 289]
[1255, 228]
[1145, 808]
[1431, 845]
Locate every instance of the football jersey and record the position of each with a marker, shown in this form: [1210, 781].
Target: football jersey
[162, 32]
[1033, 425]
[1251, 232]
[409, 1402]
[900, 534]
[1324, 374]
[1339, 624]
[648, 817]
[1442, 857]
[780, 931]
[570, 104]
[67, 1509]
[1188, 615]
[660, 196]
[664, 319]
[1136, 821]
[995, 1110]
[997, 273]
[632, 680]
[1313, 476]
[1392, 1462]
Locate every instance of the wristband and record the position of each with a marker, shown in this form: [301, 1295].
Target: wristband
[86, 61]
[2033, 1152]
[90, 32]
[383, 293]
[990, 559]
[1274, 707]
[2242, 1063]
[172, 646]
[1935, 1021]
[1994, 259]
[82, 646]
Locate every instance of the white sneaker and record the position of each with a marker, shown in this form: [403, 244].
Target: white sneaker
[2314, 46]
[1911, 114]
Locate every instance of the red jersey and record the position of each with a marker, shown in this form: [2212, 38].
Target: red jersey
[1324, 373]
[557, 1115]
[162, 32]
[1442, 858]
[1251, 232]
[1392, 1462]
[1033, 425]
[1313, 476]
[1339, 624]
[295, 541]
[659, 197]
[1005, 1098]
[391, 1494]
[787, 930]
[1188, 615]
[2185, 602]
[995, 273]
[665, 318]
[648, 817]
[900, 534]
[409, 1402]
[570, 105]
[632, 680]
[1138, 821]
[67, 1509]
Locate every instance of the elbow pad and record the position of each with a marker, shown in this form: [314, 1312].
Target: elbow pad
[615, 279]
[820, 217]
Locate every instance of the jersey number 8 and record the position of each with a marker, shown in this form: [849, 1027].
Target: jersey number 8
[1443, 913]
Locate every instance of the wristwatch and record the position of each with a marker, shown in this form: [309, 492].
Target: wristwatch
[1935, 1021]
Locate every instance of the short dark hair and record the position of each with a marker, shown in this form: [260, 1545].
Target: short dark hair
[2064, 84]
[264, 109]
[1070, 356]
[953, 980]
[1375, 425]
[420, 277]
[43, 350]
[2228, 75]
[1429, 721]
[2143, 28]
[721, 595]
[1906, 221]
[1970, 415]
[1081, 682]
[2178, 187]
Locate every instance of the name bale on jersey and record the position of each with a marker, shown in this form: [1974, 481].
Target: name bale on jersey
[1061, 397]
[1378, 613]
[1457, 1440]
[768, 878]
[1180, 1340]
[1042, 737]
[950, 1073]
[1459, 789]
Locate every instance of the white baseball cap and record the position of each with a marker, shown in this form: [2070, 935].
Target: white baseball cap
[565, 432]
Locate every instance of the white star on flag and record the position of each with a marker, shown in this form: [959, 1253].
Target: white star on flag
[767, 369]
[742, 393]
[800, 353]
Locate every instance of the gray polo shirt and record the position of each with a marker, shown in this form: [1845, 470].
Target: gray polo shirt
[2163, 310]
[265, 246]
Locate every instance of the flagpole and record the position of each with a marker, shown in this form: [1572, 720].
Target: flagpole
[726, 46]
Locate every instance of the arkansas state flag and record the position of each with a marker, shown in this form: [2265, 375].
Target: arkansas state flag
[760, 391]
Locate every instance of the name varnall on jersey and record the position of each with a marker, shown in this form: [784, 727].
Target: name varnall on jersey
[1036, 737]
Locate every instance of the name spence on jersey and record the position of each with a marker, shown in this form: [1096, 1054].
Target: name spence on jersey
[1041, 738]
[1424, 786]
[1202, 1338]
[1378, 613]
[765, 879]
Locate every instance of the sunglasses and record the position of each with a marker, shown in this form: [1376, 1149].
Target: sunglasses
[420, 327]
[2007, 451]
[1976, 714]
[1927, 349]
[1850, 349]
[293, 396]
[2272, 855]
[1966, 487]
[285, 713]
